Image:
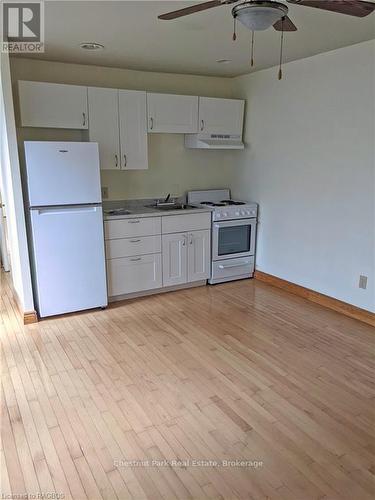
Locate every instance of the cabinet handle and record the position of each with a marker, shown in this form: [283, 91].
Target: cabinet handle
[136, 259]
[228, 266]
[135, 241]
[151, 123]
[184, 242]
[191, 239]
[202, 125]
[84, 119]
[116, 161]
[125, 161]
[134, 221]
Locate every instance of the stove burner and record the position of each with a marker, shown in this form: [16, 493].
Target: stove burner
[232, 202]
[213, 204]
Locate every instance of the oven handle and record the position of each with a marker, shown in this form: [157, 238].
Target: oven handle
[235, 222]
[222, 266]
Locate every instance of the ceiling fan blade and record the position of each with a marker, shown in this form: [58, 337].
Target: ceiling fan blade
[357, 8]
[191, 10]
[285, 24]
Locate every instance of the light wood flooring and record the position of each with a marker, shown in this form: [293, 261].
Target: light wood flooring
[239, 371]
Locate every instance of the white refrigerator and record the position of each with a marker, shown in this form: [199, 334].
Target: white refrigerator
[66, 223]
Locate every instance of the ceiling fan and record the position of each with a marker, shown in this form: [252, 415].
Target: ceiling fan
[259, 15]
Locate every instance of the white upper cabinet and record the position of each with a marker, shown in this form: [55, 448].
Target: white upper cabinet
[172, 113]
[118, 124]
[53, 105]
[220, 116]
[104, 125]
[133, 130]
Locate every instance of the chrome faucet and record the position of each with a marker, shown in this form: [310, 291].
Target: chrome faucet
[166, 201]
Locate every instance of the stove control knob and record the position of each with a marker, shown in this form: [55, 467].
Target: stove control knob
[238, 213]
[218, 215]
[225, 214]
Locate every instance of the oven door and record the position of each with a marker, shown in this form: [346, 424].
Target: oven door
[235, 238]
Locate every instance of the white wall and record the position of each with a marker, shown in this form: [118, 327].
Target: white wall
[12, 195]
[309, 163]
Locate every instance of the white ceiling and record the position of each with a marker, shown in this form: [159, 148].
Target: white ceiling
[134, 38]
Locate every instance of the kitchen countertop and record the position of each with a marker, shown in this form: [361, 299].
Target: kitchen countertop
[138, 209]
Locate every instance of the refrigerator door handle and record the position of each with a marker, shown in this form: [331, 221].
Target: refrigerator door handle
[61, 211]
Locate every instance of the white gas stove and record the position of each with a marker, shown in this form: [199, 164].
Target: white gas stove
[233, 234]
[223, 207]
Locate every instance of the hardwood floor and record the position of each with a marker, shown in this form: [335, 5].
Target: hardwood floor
[236, 372]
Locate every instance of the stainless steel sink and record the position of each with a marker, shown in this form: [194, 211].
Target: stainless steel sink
[171, 206]
[117, 211]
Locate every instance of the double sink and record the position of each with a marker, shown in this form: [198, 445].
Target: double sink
[171, 206]
[156, 206]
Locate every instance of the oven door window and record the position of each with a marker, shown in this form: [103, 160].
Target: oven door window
[234, 239]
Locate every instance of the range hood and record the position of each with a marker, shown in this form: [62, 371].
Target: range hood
[213, 141]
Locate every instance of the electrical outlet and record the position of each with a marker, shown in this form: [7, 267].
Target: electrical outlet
[104, 192]
[362, 282]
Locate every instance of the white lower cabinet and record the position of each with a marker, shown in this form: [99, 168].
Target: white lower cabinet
[132, 228]
[174, 248]
[186, 257]
[154, 252]
[199, 255]
[130, 247]
[134, 274]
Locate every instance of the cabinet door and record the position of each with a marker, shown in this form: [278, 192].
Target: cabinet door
[133, 274]
[104, 127]
[172, 113]
[174, 248]
[199, 255]
[133, 130]
[53, 105]
[220, 116]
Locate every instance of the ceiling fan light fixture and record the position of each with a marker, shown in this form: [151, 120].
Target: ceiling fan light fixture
[259, 15]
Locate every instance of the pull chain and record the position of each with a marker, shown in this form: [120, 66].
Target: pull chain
[252, 49]
[234, 30]
[281, 48]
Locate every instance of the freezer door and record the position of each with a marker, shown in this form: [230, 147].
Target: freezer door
[62, 173]
[69, 262]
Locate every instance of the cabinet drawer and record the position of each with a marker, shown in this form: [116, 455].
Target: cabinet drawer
[232, 268]
[186, 222]
[127, 228]
[132, 246]
[133, 274]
